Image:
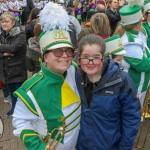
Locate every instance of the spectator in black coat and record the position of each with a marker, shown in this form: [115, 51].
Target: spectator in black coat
[29, 29]
[113, 14]
[12, 55]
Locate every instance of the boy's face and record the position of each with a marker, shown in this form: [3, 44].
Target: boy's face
[148, 17]
[114, 4]
[79, 5]
[118, 59]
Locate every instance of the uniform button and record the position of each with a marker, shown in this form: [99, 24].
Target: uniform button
[8, 72]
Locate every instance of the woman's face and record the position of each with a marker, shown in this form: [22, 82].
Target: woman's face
[91, 60]
[7, 24]
[58, 64]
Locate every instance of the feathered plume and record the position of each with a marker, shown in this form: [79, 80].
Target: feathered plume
[135, 2]
[53, 16]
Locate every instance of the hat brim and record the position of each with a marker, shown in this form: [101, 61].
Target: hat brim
[58, 45]
[147, 11]
[123, 52]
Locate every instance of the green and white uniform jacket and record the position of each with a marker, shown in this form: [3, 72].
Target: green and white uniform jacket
[146, 31]
[46, 103]
[137, 61]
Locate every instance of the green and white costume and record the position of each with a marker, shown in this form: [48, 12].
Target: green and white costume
[145, 32]
[146, 24]
[137, 58]
[137, 61]
[45, 102]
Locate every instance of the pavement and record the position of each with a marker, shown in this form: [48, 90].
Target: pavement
[10, 142]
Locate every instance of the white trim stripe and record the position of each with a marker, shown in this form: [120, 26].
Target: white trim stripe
[131, 19]
[111, 45]
[35, 104]
[141, 82]
[48, 38]
[114, 45]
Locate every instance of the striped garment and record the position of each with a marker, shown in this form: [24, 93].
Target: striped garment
[137, 61]
[46, 103]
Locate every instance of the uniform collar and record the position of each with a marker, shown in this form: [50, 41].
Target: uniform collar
[52, 74]
[133, 32]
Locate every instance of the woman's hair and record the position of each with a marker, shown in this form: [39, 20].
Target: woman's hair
[100, 24]
[33, 14]
[91, 39]
[121, 29]
[9, 15]
[37, 28]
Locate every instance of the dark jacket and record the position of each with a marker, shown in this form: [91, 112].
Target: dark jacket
[29, 29]
[33, 56]
[12, 68]
[111, 121]
[114, 18]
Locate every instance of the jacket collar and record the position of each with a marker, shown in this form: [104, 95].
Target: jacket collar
[13, 32]
[52, 74]
[134, 32]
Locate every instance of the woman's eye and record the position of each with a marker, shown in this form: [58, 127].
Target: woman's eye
[96, 58]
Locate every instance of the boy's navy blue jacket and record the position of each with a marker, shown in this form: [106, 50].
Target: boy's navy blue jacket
[111, 121]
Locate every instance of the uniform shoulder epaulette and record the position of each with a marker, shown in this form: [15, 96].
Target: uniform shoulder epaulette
[26, 100]
[22, 92]
[32, 81]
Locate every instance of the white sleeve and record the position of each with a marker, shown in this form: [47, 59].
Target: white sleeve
[134, 50]
[143, 36]
[10, 6]
[4, 7]
[22, 118]
[23, 3]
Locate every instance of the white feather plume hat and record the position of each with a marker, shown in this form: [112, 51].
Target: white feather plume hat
[54, 22]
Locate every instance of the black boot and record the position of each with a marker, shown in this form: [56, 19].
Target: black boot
[11, 111]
